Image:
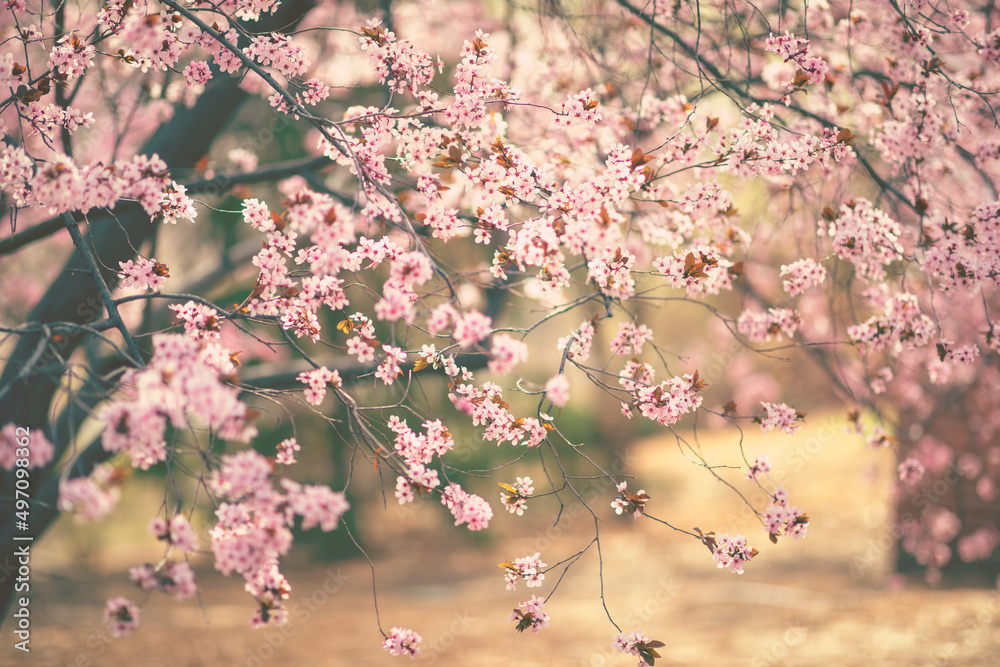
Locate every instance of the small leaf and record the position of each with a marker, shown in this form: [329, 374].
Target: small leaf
[845, 137]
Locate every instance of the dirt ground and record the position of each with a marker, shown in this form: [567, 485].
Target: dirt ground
[826, 600]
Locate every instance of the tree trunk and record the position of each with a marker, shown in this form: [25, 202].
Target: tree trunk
[34, 370]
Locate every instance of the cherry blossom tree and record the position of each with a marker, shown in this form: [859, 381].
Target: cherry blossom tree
[819, 181]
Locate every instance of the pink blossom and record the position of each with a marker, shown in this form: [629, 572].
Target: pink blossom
[318, 380]
[402, 641]
[122, 616]
[144, 274]
[636, 643]
[506, 353]
[978, 545]
[389, 368]
[467, 508]
[866, 237]
[241, 474]
[197, 73]
[801, 275]
[633, 503]
[93, 497]
[27, 445]
[732, 551]
[529, 568]
[557, 390]
[515, 496]
[880, 438]
[760, 327]
[630, 339]
[286, 451]
[404, 490]
[318, 505]
[472, 327]
[780, 416]
[71, 57]
[758, 467]
[667, 402]
[200, 321]
[530, 614]
[911, 471]
[579, 342]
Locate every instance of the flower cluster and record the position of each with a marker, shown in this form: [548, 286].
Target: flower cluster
[779, 416]
[530, 614]
[396, 63]
[579, 342]
[506, 353]
[580, 109]
[317, 381]
[93, 497]
[529, 568]
[71, 57]
[253, 528]
[143, 274]
[866, 237]
[801, 275]
[638, 644]
[286, 451]
[699, 271]
[759, 467]
[279, 52]
[911, 471]
[670, 400]
[177, 532]
[760, 327]
[15, 444]
[486, 406]
[557, 390]
[799, 50]
[402, 641]
[515, 496]
[201, 322]
[901, 327]
[633, 503]
[780, 517]
[630, 339]
[184, 383]
[732, 551]
[467, 508]
[122, 616]
[172, 577]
